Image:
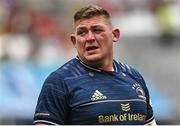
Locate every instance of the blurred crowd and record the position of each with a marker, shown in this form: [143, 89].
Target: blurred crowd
[34, 40]
[27, 32]
[38, 29]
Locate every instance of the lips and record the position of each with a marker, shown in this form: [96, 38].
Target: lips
[90, 48]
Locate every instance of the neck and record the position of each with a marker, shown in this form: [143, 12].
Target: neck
[108, 67]
[102, 65]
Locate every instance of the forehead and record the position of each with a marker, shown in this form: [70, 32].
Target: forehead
[94, 21]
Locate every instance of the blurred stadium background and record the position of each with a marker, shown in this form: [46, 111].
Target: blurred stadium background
[34, 41]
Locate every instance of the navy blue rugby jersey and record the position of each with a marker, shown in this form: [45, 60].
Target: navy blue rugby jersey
[79, 94]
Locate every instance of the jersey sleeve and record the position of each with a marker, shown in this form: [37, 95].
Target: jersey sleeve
[52, 105]
[150, 115]
[138, 77]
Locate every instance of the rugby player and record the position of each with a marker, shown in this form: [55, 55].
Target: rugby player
[94, 88]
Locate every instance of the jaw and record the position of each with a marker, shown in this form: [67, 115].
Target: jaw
[97, 60]
[93, 57]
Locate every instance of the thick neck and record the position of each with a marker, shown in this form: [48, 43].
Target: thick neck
[102, 65]
[107, 67]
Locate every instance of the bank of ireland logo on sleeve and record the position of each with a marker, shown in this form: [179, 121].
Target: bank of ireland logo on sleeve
[97, 96]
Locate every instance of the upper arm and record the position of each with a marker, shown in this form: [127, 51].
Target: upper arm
[138, 77]
[52, 105]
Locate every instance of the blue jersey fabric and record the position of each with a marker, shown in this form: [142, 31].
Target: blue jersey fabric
[79, 94]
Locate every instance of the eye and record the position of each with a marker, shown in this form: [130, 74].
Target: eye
[81, 32]
[97, 30]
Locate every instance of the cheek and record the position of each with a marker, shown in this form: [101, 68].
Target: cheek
[106, 39]
[80, 42]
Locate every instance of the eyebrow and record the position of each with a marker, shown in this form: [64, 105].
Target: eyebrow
[84, 27]
[81, 28]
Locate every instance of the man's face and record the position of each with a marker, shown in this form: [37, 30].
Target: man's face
[93, 39]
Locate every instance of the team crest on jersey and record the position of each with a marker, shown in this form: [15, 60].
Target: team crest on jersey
[139, 91]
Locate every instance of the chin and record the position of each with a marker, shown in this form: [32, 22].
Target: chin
[93, 58]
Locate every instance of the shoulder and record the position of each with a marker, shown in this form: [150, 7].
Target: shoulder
[131, 71]
[70, 69]
[56, 79]
[128, 69]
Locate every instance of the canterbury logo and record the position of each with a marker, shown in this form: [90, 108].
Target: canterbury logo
[125, 107]
[97, 96]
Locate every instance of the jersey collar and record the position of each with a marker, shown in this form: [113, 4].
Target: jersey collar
[96, 69]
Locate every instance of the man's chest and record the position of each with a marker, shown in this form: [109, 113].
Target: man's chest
[106, 100]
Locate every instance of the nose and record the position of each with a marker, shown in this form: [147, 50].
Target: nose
[90, 36]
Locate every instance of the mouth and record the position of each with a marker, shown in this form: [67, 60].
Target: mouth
[91, 48]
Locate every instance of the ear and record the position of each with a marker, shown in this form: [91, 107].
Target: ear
[116, 34]
[73, 39]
